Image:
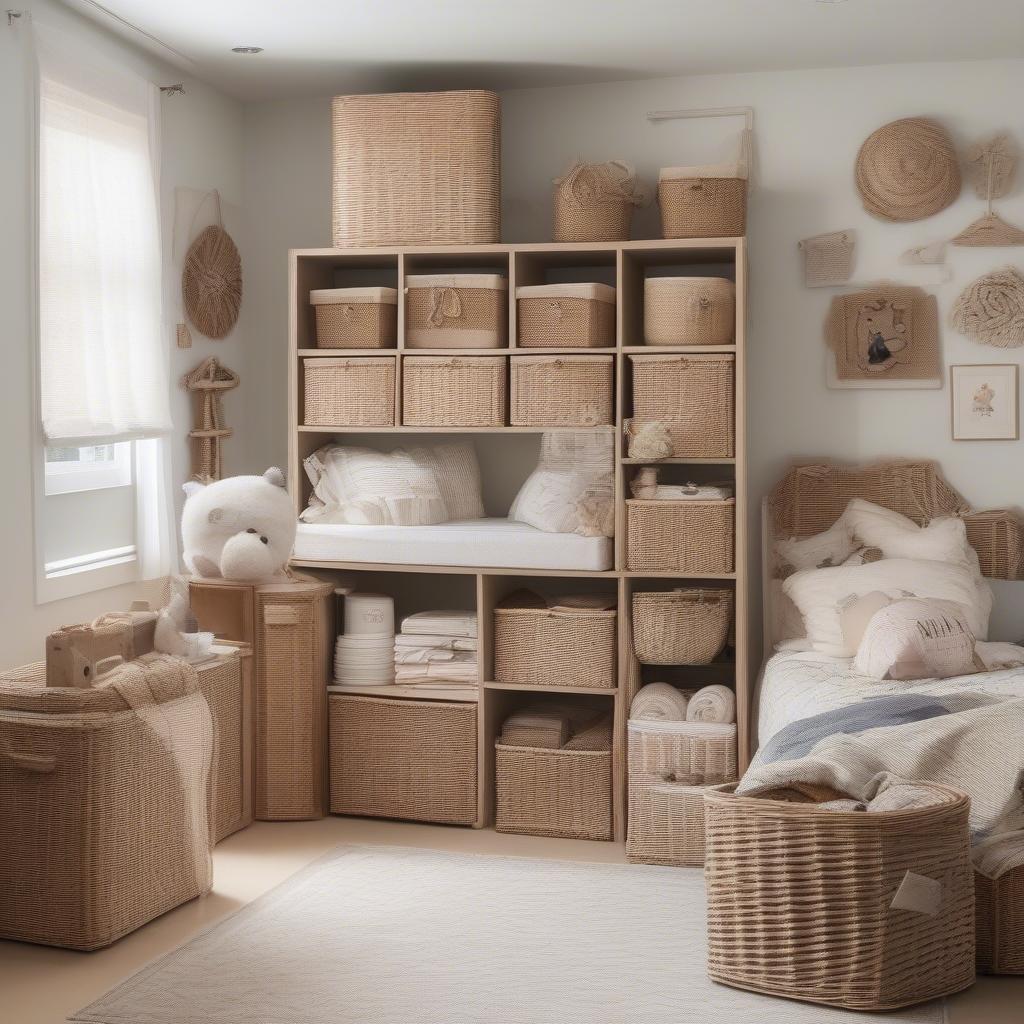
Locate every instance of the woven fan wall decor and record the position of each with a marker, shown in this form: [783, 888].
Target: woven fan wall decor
[211, 282]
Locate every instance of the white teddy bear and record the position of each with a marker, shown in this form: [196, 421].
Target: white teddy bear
[241, 528]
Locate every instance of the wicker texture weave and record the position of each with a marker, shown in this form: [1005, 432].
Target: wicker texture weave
[403, 759]
[566, 322]
[450, 316]
[354, 392]
[799, 901]
[681, 627]
[681, 753]
[562, 391]
[666, 825]
[463, 391]
[356, 325]
[695, 395]
[104, 807]
[683, 536]
[413, 168]
[560, 793]
[999, 918]
[703, 207]
[990, 310]
[828, 258]
[689, 311]
[594, 203]
[211, 282]
[543, 647]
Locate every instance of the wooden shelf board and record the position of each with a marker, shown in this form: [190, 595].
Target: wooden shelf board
[345, 353]
[342, 429]
[606, 691]
[679, 462]
[672, 574]
[464, 570]
[464, 694]
[676, 350]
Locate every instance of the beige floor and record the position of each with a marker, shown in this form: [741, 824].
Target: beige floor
[39, 985]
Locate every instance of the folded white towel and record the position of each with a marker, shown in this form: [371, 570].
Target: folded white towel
[435, 642]
[442, 670]
[659, 702]
[443, 623]
[715, 703]
[426, 656]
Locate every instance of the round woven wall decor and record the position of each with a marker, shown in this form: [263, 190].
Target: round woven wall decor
[990, 310]
[908, 170]
[211, 283]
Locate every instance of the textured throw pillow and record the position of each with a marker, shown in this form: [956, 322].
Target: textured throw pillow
[571, 490]
[832, 547]
[822, 594]
[917, 639]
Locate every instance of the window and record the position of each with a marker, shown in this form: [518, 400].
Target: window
[68, 470]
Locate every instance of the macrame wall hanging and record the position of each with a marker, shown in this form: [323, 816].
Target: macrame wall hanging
[828, 258]
[990, 310]
[884, 336]
[208, 381]
[211, 281]
[991, 166]
[907, 170]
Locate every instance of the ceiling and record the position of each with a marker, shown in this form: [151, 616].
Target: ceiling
[322, 47]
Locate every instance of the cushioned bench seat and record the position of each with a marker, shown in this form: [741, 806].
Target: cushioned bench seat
[487, 543]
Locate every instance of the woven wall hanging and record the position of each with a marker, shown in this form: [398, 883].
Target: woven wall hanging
[828, 258]
[885, 333]
[907, 170]
[211, 281]
[209, 380]
[991, 166]
[990, 310]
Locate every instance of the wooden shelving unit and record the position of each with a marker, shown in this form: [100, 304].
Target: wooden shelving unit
[623, 265]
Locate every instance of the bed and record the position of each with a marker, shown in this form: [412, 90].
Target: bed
[483, 543]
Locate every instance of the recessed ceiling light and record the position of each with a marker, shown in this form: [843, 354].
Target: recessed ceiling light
[246, 49]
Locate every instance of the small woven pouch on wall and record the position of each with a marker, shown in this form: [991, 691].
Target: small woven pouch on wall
[828, 258]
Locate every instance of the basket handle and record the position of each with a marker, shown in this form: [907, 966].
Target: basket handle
[38, 764]
[445, 304]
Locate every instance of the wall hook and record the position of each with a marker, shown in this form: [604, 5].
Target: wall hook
[13, 16]
[173, 90]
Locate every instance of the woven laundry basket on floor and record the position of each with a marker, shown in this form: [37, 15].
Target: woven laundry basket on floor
[416, 168]
[104, 815]
[355, 317]
[456, 311]
[999, 915]
[800, 900]
[566, 316]
[689, 311]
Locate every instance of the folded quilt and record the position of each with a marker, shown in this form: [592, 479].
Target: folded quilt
[443, 623]
[435, 642]
[456, 671]
[428, 655]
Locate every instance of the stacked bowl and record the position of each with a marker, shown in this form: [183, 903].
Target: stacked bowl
[364, 655]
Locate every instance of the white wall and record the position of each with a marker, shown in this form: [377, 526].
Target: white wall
[201, 148]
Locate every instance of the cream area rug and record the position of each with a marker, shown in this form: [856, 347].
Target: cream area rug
[386, 935]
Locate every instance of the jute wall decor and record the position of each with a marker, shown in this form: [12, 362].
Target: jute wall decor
[828, 258]
[209, 380]
[907, 170]
[211, 281]
[990, 310]
[990, 169]
[886, 333]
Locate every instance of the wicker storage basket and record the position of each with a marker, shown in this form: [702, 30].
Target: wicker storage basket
[999, 916]
[356, 317]
[695, 395]
[454, 391]
[693, 206]
[799, 901]
[562, 793]
[403, 759]
[103, 799]
[562, 391]
[595, 202]
[689, 311]
[566, 316]
[666, 824]
[456, 311]
[416, 168]
[680, 627]
[544, 647]
[349, 392]
[681, 536]
[681, 753]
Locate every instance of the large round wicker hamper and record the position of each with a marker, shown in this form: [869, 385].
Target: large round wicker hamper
[868, 911]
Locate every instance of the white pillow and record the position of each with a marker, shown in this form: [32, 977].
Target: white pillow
[822, 594]
[917, 639]
[942, 540]
[832, 547]
[571, 490]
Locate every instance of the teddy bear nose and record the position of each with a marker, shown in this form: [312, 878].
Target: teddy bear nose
[250, 530]
[264, 540]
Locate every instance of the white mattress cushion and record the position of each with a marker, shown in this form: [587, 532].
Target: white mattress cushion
[488, 543]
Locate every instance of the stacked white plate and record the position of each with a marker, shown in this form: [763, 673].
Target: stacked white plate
[364, 655]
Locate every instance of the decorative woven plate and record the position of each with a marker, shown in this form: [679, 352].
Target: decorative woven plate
[990, 310]
[211, 283]
[908, 170]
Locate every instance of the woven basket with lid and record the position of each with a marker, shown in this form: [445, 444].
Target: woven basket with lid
[566, 316]
[562, 391]
[456, 311]
[355, 317]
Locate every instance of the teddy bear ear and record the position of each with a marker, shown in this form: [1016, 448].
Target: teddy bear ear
[274, 476]
[192, 488]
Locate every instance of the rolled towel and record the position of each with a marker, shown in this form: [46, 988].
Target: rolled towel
[712, 704]
[659, 702]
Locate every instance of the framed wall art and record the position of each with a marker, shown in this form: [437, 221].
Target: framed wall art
[985, 401]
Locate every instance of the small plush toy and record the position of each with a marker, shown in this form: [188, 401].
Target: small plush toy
[241, 528]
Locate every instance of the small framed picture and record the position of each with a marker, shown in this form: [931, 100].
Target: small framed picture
[985, 401]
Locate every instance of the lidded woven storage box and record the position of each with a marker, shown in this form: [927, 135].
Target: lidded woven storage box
[666, 824]
[681, 536]
[695, 395]
[680, 627]
[553, 792]
[103, 799]
[456, 311]
[595, 202]
[555, 647]
[416, 168]
[801, 900]
[562, 391]
[689, 311]
[413, 759]
[454, 391]
[353, 391]
[999, 918]
[566, 316]
[702, 202]
[355, 317]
